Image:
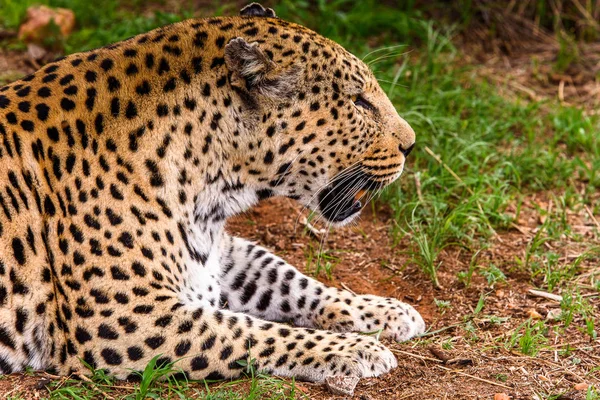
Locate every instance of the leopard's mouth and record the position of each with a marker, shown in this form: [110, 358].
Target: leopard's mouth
[343, 198]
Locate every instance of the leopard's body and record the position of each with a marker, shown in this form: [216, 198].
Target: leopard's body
[119, 167]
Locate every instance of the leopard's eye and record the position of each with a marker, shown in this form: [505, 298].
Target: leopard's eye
[360, 101]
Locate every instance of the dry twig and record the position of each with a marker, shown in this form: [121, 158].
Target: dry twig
[591, 214]
[418, 186]
[406, 353]
[473, 377]
[545, 295]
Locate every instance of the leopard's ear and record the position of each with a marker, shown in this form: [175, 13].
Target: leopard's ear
[251, 69]
[257, 10]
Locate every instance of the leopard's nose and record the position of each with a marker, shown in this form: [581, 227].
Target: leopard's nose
[406, 151]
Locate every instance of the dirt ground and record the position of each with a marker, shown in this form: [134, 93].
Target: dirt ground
[478, 365]
[371, 263]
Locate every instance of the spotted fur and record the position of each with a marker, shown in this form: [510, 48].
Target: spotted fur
[119, 168]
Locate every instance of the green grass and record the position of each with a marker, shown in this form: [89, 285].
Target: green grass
[528, 338]
[96, 26]
[159, 381]
[320, 261]
[574, 305]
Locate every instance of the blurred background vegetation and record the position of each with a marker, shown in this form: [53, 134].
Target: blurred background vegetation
[109, 20]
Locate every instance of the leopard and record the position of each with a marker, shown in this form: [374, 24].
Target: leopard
[119, 168]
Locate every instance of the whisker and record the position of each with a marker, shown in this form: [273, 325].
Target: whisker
[338, 195]
[386, 56]
[353, 190]
[376, 192]
[357, 187]
[382, 49]
[346, 172]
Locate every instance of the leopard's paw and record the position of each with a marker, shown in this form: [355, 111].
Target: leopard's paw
[392, 318]
[342, 354]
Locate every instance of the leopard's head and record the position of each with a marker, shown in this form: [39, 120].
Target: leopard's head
[328, 133]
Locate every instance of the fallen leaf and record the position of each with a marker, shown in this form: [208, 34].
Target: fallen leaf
[302, 388]
[37, 25]
[534, 314]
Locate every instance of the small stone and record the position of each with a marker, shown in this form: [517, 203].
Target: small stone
[501, 396]
[581, 386]
[553, 314]
[341, 385]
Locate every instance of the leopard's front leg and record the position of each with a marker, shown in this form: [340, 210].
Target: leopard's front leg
[259, 283]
